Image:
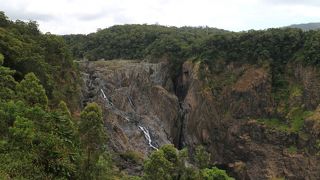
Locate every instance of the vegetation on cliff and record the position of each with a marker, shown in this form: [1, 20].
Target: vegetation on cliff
[40, 138]
[280, 52]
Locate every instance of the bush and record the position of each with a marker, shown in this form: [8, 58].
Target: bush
[214, 174]
[133, 156]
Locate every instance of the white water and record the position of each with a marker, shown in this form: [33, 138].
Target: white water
[147, 136]
[110, 105]
[122, 114]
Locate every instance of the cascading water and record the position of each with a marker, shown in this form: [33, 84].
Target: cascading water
[147, 136]
[110, 106]
[122, 114]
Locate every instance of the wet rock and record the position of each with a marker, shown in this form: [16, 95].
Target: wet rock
[187, 113]
[134, 95]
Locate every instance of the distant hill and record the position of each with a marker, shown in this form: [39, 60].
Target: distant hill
[307, 26]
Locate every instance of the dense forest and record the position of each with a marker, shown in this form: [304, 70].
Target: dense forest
[43, 133]
[154, 42]
[307, 26]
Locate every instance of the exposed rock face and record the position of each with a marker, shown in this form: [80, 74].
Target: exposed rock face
[250, 150]
[309, 77]
[188, 114]
[140, 96]
[250, 95]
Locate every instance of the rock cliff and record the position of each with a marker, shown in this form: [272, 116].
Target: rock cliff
[144, 109]
[227, 124]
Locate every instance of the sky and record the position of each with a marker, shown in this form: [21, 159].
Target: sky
[86, 16]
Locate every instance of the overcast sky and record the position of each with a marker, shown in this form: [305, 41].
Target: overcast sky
[85, 16]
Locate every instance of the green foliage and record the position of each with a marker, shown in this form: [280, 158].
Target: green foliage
[25, 49]
[296, 116]
[317, 145]
[35, 142]
[39, 140]
[31, 91]
[202, 157]
[214, 174]
[295, 91]
[93, 138]
[91, 128]
[169, 163]
[103, 168]
[35, 147]
[1, 59]
[311, 47]
[151, 42]
[295, 120]
[136, 41]
[64, 110]
[23, 131]
[158, 167]
[7, 84]
[133, 156]
[65, 128]
[275, 123]
[292, 149]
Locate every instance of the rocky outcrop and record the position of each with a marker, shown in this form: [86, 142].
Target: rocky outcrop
[140, 109]
[250, 96]
[309, 78]
[144, 109]
[238, 143]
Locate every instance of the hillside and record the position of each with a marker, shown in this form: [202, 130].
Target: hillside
[135, 41]
[306, 27]
[52, 129]
[249, 98]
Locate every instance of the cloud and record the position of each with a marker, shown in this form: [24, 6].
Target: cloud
[294, 2]
[18, 11]
[82, 16]
[22, 15]
[91, 16]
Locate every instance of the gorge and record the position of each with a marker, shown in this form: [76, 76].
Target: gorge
[187, 115]
[147, 102]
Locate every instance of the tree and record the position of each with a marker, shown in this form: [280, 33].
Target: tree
[66, 130]
[166, 163]
[64, 110]
[32, 92]
[23, 132]
[7, 82]
[1, 59]
[214, 174]
[3, 19]
[93, 137]
[202, 157]
[158, 167]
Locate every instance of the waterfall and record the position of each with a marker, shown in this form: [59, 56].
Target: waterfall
[124, 115]
[130, 101]
[106, 98]
[147, 136]
[113, 109]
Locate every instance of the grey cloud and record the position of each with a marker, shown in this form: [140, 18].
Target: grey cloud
[21, 13]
